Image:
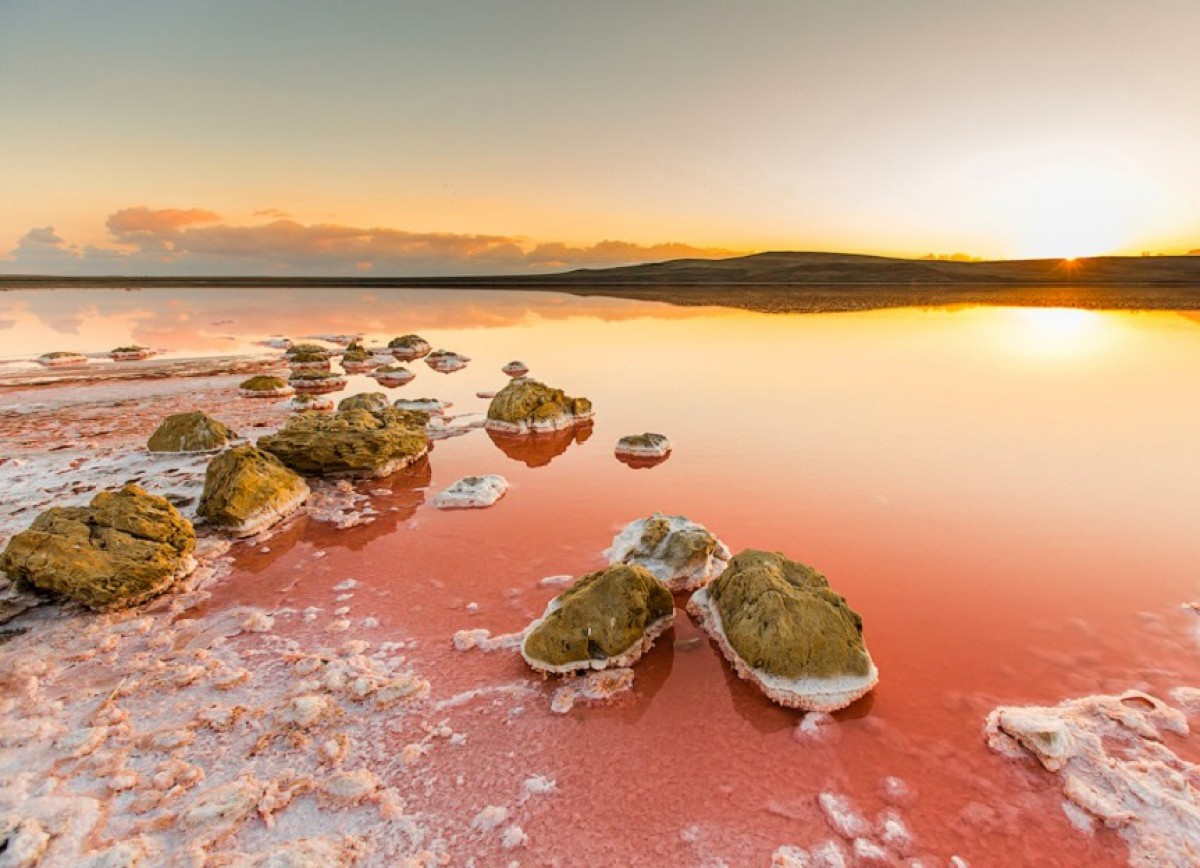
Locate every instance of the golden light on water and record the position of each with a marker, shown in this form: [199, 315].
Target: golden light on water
[1057, 332]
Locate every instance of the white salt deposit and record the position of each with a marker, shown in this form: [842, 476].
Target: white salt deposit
[472, 492]
[687, 556]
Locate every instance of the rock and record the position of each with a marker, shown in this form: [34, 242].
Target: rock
[350, 442]
[526, 406]
[409, 347]
[516, 369]
[309, 360]
[190, 432]
[782, 628]
[61, 359]
[366, 401]
[607, 618]
[643, 446]
[472, 492]
[247, 490]
[264, 386]
[316, 382]
[446, 362]
[432, 406]
[121, 550]
[356, 359]
[310, 403]
[279, 343]
[393, 375]
[305, 350]
[132, 353]
[682, 554]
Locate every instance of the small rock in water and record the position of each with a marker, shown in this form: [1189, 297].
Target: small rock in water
[446, 362]
[61, 359]
[406, 348]
[432, 406]
[683, 554]
[189, 432]
[264, 386]
[516, 369]
[526, 406]
[247, 491]
[472, 492]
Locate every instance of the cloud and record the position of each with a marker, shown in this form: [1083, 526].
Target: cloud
[195, 242]
[273, 212]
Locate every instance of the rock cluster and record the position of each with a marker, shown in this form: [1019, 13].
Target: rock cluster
[190, 432]
[121, 550]
[675, 550]
[526, 406]
[246, 490]
[355, 442]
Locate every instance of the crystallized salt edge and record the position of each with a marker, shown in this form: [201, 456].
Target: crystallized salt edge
[563, 422]
[806, 694]
[630, 537]
[626, 658]
[267, 516]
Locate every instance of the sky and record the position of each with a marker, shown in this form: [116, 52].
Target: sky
[449, 137]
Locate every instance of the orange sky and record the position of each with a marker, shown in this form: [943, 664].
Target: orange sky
[457, 137]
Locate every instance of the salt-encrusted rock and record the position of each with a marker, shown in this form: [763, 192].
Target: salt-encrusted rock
[432, 406]
[406, 348]
[279, 343]
[131, 353]
[309, 402]
[350, 442]
[472, 492]
[356, 359]
[247, 490]
[122, 549]
[316, 382]
[607, 618]
[392, 375]
[1110, 754]
[190, 432]
[366, 401]
[675, 550]
[643, 446]
[305, 350]
[782, 628]
[61, 359]
[516, 369]
[446, 362]
[309, 360]
[526, 406]
[264, 386]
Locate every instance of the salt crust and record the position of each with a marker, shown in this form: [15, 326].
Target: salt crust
[541, 426]
[657, 449]
[1109, 753]
[268, 516]
[626, 549]
[626, 658]
[472, 492]
[808, 694]
[594, 686]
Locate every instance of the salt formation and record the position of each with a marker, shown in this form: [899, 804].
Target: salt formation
[446, 362]
[643, 446]
[606, 619]
[472, 492]
[356, 359]
[309, 360]
[247, 490]
[350, 442]
[516, 369]
[316, 382]
[782, 628]
[1109, 753]
[264, 386]
[61, 359]
[406, 348]
[592, 687]
[124, 548]
[432, 406]
[189, 432]
[526, 406]
[675, 550]
[132, 353]
[393, 375]
[310, 403]
[370, 401]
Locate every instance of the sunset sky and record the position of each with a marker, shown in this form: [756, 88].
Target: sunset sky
[289, 136]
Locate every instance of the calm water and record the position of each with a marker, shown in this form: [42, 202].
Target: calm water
[1008, 496]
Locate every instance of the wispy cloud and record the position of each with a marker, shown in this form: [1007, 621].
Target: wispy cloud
[196, 241]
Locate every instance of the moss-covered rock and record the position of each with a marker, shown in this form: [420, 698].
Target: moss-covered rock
[246, 490]
[409, 347]
[122, 549]
[366, 401]
[525, 406]
[355, 442]
[316, 382]
[131, 353]
[782, 627]
[675, 550]
[607, 618]
[306, 350]
[62, 359]
[264, 386]
[190, 432]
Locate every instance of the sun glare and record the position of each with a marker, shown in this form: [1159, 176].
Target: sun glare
[1055, 332]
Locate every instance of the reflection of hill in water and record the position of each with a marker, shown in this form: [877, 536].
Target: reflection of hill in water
[538, 450]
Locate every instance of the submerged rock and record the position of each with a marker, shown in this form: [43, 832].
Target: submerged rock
[472, 492]
[366, 401]
[350, 442]
[406, 348]
[131, 353]
[446, 362]
[61, 359]
[316, 382]
[121, 550]
[675, 550]
[516, 369]
[264, 386]
[607, 618]
[190, 432]
[526, 406]
[247, 490]
[393, 375]
[782, 628]
[432, 406]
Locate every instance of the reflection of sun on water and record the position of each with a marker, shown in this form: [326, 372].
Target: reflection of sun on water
[1056, 332]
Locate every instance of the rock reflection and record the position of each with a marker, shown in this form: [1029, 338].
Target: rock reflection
[641, 462]
[538, 450]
